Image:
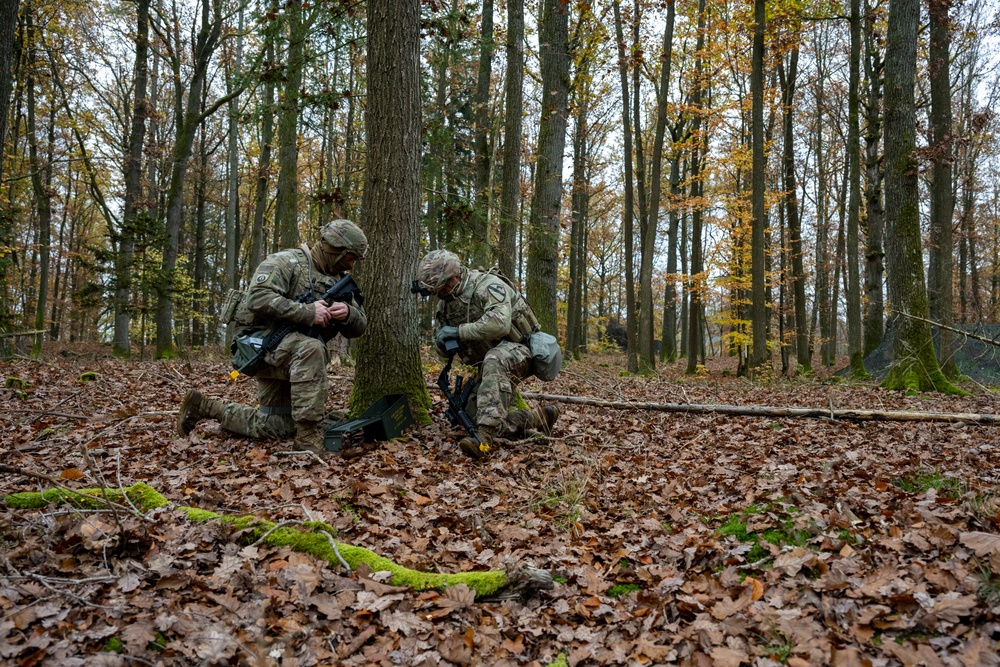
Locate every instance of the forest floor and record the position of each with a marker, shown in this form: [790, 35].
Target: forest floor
[673, 539]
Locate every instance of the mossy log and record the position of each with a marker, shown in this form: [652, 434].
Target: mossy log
[765, 411]
[313, 537]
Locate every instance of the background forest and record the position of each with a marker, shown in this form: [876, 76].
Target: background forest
[711, 174]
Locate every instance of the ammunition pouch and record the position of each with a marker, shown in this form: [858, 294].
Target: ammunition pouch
[246, 347]
[235, 308]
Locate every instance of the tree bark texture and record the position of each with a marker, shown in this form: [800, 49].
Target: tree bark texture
[481, 215]
[855, 343]
[389, 352]
[543, 230]
[631, 325]
[914, 364]
[510, 185]
[287, 199]
[939, 271]
[874, 212]
[694, 318]
[759, 306]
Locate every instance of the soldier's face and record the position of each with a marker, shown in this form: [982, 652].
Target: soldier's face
[349, 260]
[449, 286]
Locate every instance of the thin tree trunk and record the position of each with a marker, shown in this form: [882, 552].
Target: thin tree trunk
[577, 254]
[264, 160]
[855, 343]
[233, 208]
[759, 308]
[874, 213]
[481, 217]
[510, 186]
[695, 343]
[631, 326]
[43, 198]
[287, 199]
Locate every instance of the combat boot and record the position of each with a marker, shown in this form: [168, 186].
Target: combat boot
[308, 438]
[548, 416]
[194, 408]
[479, 450]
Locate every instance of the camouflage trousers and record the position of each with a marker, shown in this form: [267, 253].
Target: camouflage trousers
[503, 367]
[291, 389]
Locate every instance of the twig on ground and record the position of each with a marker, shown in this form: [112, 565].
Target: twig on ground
[293, 453]
[274, 528]
[333, 545]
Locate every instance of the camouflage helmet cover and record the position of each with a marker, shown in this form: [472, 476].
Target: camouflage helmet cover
[347, 235]
[437, 268]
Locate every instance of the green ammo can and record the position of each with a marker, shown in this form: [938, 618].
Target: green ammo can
[387, 418]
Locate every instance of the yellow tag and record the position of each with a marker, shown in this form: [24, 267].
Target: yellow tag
[483, 447]
[234, 374]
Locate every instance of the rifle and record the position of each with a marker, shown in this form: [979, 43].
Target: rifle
[345, 290]
[456, 414]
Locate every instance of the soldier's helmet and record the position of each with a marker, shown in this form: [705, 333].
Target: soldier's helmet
[437, 268]
[347, 235]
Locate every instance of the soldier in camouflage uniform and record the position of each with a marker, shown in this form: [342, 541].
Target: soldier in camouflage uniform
[292, 386]
[492, 322]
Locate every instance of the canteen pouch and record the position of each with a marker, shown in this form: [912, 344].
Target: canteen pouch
[246, 348]
[235, 309]
[546, 357]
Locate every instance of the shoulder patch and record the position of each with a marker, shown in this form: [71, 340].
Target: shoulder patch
[261, 277]
[497, 292]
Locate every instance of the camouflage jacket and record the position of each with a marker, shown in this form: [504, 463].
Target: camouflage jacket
[486, 310]
[280, 279]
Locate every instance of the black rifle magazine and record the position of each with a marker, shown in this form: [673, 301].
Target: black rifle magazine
[385, 419]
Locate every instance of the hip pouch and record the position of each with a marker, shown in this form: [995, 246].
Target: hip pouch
[246, 350]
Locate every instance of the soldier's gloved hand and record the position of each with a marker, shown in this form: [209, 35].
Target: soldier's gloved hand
[444, 335]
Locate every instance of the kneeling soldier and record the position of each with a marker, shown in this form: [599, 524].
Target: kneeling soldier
[292, 385]
[492, 323]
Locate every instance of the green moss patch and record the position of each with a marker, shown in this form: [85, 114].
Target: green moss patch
[312, 537]
[785, 533]
[622, 590]
[923, 480]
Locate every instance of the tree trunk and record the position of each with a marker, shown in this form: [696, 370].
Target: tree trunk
[188, 120]
[647, 223]
[656, 171]
[914, 364]
[510, 186]
[389, 353]
[287, 199]
[874, 213]
[759, 309]
[695, 343]
[264, 160]
[577, 251]
[787, 79]
[121, 341]
[631, 326]
[233, 207]
[43, 198]
[855, 343]
[543, 231]
[481, 214]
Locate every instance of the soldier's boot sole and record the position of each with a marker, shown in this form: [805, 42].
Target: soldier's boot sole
[189, 413]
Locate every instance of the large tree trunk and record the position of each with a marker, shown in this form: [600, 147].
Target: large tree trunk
[510, 185]
[8, 22]
[759, 308]
[389, 353]
[543, 230]
[939, 270]
[631, 326]
[914, 364]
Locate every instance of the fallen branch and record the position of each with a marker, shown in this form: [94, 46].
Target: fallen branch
[765, 411]
[22, 333]
[989, 341]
